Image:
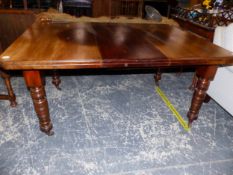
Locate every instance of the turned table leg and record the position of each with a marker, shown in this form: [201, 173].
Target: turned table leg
[11, 96]
[205, 74]
[158, 76]
[35, 84]
[56, 79]
[194, 83]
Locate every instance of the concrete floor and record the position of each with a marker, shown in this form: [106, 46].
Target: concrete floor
[114, 124]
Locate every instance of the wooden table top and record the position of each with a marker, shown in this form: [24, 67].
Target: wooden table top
[104, 45]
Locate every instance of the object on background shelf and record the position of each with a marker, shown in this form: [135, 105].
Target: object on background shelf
[206, 18]
[77, 7]
[217, 3]
[207, 4]
[192, 14]
[152, 13]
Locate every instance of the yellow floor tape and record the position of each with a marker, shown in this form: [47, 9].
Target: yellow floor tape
[172, 108]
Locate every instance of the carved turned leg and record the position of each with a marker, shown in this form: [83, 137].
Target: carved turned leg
[205, 75]
[157, 76]
[193, 86]
[56, 79]
[35, 84]
[180, 71]
[11, 96]
[194, 83]
[198, 98]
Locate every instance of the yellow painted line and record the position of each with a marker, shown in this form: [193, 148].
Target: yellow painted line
[172, 108]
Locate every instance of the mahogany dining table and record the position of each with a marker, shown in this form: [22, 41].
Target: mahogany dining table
[71, 45]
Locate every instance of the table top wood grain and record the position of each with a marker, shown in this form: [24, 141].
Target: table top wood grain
[105, 45]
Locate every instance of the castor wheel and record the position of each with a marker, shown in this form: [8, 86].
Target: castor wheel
[48, 130]
[50, 133]
[13, 103]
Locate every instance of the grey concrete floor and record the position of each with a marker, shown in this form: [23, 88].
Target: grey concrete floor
[114, 124]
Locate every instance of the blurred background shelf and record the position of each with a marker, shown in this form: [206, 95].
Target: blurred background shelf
[95, 8]
[202, 22]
